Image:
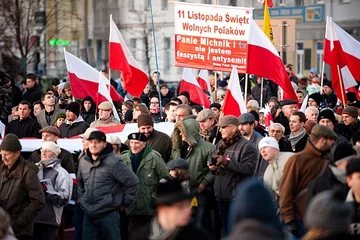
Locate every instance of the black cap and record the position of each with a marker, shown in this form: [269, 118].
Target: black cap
[98, 135]
[215, 105]
[186, 94]
[288, 102]
[171, 192]
[353, 166]
[177, 163]
[137, 136]
[328, 114]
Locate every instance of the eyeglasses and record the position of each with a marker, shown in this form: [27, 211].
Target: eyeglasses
[275, 131]
[154, 103]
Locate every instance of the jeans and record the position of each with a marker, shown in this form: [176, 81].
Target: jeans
[106, 227]
[78, 221]
[224, 210]
[202, 212]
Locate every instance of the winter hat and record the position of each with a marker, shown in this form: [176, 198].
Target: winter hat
[67, 85]
[73, 107]
[177, 163]
[323, 131]
[128, 115]
[137, 136]
[204, 115]
[246, 118]
[145, 120]
[352, 111]
[222, 84]
[113, 140]
[10, 143]
[60, 115]
[227, 120]
[186, 94]
[52, 147]
[341, 151]
[328, 83]
[215, 105]
[314, 70]
[353, 166]
[97, 135]
[105, 105]
[317, 97]
[87, 133]
[256, 115]
[309, 124]
[171, 192]
[328, 114]
[328, 210]
[50, 129]
[268, 142]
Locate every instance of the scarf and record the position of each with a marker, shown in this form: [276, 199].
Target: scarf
[135, 160]
[295, 139]
[157, 233]
[339, 174]
[224, 144]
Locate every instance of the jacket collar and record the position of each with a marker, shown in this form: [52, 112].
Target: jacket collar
[350, 196]
[108, 151]
[17, 169]
[312, 149]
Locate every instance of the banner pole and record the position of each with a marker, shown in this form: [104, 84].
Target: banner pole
[246, 86]
[341, 85]
[156, 59]
[261, 93]
[322, 76]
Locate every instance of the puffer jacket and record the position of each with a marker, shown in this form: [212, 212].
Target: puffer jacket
[77, 127]
[22, 189]
[57, 198]
[199, 152]
[243, 157]
[105, 184]
[111, 121]
[151, 169]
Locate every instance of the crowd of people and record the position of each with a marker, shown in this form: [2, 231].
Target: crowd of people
[214, 177]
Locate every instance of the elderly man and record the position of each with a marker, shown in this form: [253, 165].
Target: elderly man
[105, 116]
[158, 141]
[105, 184]
[74, 124]
[298, 172]
[66, 159]
[57, 197]
[188, 145]
[24, 126]
[149, 167]
[311, 113]
[47, 116]
[182, 111]
[21, 194]
[208, 130]
[297, 139]
[233, 160]
[276, 130]
[287, 108]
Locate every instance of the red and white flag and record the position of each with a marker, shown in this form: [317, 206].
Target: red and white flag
[120, 58]
[267, 115]
[263, 60]
[269, 2]
[203, 80]
[84, 79]
[234, 101]
[104, 91]
[190, 85]
[341, 53]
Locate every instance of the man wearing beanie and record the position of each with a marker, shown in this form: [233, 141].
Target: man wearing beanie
[74, 124]
[158, 141]
[328, 216]
[335, 175]
[298, 172]
[21, 195]
[353, 197]
[57, 197]
[350, 120]
[106, 117]
[270, 152]
[329, 95]
[149, 167]
[315, 100]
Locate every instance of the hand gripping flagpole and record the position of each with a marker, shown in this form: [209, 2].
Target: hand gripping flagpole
[156, 60]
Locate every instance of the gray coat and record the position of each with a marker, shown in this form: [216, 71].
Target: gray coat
[243, 157]
[105, 184]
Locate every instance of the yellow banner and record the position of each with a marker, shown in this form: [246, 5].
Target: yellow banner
[267, 29]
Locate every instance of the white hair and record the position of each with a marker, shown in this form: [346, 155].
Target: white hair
[278, 125]
[311, 108]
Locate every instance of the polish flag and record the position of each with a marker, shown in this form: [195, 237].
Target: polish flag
[203, 80]
[190, 85]
[304, 104]
[120, 58]
[263, 60]
[234, 101]
[269, 2]
[104, 91]
[84, 79]
[267, 116]
[340, 52]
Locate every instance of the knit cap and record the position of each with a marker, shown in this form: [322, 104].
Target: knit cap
[341, 151]
[10, 143]
[328, 114]
[352, 111]
[317, 97]
[268, 142]
[329, 211]
[74, 107]
[145, 120]
[52, 147]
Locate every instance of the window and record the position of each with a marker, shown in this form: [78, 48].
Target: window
[206, 1]
[307, 58]
[99, 52]
[345, 1]
[167, 52]
[299, 58]
[282, 2]
[133, 47]
[319, 54]
[299, 2]
[164, 4]
[131, 5]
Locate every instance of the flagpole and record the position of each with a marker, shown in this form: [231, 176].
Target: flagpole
[246, 86]
[341, 85]
[322, 76]
[261, 94]
[216, 85]
[156, 60]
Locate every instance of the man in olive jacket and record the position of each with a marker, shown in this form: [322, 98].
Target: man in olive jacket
[105, 184]
[21, 194]
[187, 144]
[149, 167]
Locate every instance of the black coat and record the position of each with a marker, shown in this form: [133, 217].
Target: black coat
[68, 131]
[89, 116]
[188, 232]
[32, 95]
[298, 147]
[24, 128]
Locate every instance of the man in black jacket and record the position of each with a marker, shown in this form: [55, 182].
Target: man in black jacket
[173, 217]
[74, 124]
[33, 92]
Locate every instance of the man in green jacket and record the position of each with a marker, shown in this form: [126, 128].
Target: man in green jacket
[149, 167]
[187, 144]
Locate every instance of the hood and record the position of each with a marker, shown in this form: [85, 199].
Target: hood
[254, 230]
[254, 202]
[79, 119]
[93, 104]
[107, 150]
[188, 128]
